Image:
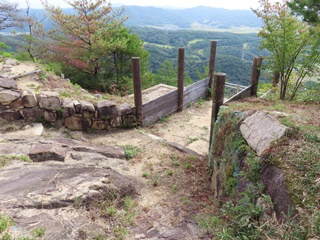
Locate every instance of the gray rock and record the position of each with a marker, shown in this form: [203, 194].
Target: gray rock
[8, 96]
[69, 110]
[29, 98]
[47, 152]
[260, 130]
[87, 109]
[99, 125]
[274, 182]
[31, 114]
[52, 196]
[9, 83]
[66, 101]
[10, 115]
[124, 109]
[77, 106]
[77, 123]
[106, 110]
[50, 116]
[58, 185]
[16, 105]
[49, 100]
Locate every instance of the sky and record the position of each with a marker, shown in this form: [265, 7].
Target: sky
[227, 4]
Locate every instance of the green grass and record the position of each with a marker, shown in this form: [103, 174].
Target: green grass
[6, 159]
[131, 151]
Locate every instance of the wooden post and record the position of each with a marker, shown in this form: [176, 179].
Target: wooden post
[180, 78]
[217, 100]
[137, 87]
[212, 63]
[255, 75]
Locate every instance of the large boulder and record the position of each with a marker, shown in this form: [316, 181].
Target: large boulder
[49, 100]
[8, 96]
[260, 130]
[53, 196]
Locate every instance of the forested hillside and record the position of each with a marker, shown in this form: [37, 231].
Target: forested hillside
[235, 52]
[165, 30]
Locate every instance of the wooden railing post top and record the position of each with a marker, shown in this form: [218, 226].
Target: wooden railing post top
[135, 58]
[220, 74]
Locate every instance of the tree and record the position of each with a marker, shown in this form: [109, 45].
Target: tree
[34, 35]
[293, 45]
[93, 39]
[309, 9]
[9, 15]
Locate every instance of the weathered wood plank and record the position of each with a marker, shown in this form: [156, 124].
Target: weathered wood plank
[194, 92]
[159, 108]
[243, 94]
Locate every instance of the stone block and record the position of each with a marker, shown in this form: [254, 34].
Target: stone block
[8, 83]
[31, 114]
[106, 110]
[87, 109]
[29, 98]
[124, 109]
[10, 115]
[50, 116]
[260, 130]
[17, 104]
[8, 96]
[49, 100]
[76, 123]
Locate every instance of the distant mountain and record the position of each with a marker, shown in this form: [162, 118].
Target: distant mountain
[186, 18]
[206, 18]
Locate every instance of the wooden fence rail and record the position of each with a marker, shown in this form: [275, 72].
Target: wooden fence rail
[176, 100]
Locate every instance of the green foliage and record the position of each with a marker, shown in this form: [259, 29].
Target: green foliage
[292, 45]
[309, 9]
[6, 159]
[100, 57]
[5, 223]
[131, 151]
[39, 232]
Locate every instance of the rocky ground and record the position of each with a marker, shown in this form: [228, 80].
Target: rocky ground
[119, 184]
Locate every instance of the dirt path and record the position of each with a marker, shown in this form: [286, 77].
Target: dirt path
[173, 186]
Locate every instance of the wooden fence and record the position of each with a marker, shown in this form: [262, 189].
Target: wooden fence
[150, 112]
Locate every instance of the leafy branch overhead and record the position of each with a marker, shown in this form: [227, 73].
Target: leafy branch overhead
[9, 15]
[292, 43]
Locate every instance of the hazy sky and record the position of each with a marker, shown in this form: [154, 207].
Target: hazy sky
[228, 4]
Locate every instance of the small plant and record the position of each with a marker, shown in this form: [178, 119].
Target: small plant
[39, 232]
[208, 223]
[111, 211]
[191, 140]
[131, 151]
[155, 180]
[164, 119]
[144, 174]
[170, 172]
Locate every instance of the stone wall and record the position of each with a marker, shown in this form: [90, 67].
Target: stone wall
[47, 106]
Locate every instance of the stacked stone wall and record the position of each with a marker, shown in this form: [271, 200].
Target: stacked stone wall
[48, 106]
